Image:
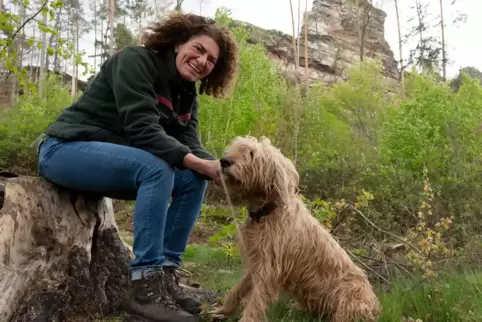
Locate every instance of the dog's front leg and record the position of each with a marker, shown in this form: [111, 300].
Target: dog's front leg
[233, 298]
[236, 294]
[265, 290]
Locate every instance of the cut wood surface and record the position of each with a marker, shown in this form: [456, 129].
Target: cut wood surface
[61, 257]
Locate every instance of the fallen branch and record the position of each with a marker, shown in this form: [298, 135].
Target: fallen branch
[384, 231]
[400, 266]
[339, 221]
[354, 256]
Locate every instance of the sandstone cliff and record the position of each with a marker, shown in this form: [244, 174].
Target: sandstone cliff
[333, 41]
[470, 71]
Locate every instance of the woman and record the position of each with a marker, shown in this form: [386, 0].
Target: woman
[133, 135]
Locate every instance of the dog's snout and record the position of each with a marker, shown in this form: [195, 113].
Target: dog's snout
[226, 162]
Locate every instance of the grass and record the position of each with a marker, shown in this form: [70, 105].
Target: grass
[455, 296]
[452, 297]
[214, 269]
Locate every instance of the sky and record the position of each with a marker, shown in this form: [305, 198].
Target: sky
[463, 49]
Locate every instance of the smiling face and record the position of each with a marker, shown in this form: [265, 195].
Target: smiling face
[197, 57]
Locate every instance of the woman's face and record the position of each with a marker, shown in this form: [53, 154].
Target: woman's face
[197, 57]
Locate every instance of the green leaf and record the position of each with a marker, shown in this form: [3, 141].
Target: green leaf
[57, 4]
[50, 51]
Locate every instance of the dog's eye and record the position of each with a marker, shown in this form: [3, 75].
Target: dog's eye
[251, 153]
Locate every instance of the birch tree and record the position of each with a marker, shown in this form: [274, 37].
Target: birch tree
[400, 48]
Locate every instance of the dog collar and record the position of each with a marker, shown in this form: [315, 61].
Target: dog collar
[263, 211]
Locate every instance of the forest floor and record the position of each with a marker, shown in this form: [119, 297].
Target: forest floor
[454, 296]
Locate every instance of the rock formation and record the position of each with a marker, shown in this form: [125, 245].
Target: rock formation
[471, 72]
[333, 41]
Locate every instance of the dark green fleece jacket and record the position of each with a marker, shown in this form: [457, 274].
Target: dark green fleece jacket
[137, 99]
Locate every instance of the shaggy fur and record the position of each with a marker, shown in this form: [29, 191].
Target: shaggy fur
[288, 251]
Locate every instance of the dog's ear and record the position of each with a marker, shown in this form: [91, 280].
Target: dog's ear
[265, 140]
[285, 180]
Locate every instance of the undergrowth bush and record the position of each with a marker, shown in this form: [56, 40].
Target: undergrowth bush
[21, 123]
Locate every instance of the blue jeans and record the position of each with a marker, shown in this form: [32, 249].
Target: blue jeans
[161, 231]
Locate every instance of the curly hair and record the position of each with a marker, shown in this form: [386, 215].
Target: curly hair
[179, 28]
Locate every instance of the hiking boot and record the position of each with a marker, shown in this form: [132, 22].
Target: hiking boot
[188, 303]
[150, 299]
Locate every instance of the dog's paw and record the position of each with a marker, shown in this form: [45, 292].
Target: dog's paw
[218, 313]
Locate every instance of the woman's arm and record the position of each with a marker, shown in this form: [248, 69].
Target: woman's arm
[131, 74]
[190, 135]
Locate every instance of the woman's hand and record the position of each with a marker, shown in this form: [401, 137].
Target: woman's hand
[210, 168]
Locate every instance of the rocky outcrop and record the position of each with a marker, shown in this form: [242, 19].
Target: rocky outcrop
[471, 72]
[333, 41]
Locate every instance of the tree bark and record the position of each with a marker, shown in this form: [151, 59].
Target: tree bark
[444, 58]
[400, 51]
[306, 40]
[363, 21]
[61, 257]
[112, 5]
[43, 55]
[178, 5]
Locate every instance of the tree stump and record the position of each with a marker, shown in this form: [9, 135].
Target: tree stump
[61, 257]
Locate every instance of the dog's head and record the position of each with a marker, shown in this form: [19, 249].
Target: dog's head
[256, 169]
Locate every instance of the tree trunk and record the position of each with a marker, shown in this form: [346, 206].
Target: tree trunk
[363, 25]
[444, 58]
[112, 26]
[32, 55]
[57, 62]
[95, 37]
[18, 46]
[294, 39]
[306, 39]
[420, 32]
[400, 52]
[75, 42]
[297, 85]
[66, 61]
[61, 256]
[53, 38]
[43, 54]
[298, 32]
[178, 5]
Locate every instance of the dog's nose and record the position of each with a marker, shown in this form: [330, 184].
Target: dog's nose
[226, 162]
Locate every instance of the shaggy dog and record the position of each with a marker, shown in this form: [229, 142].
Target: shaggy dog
[284, 248]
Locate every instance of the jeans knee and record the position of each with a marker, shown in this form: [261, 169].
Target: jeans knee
[197, 182]
[159, 172]
[189, 180]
